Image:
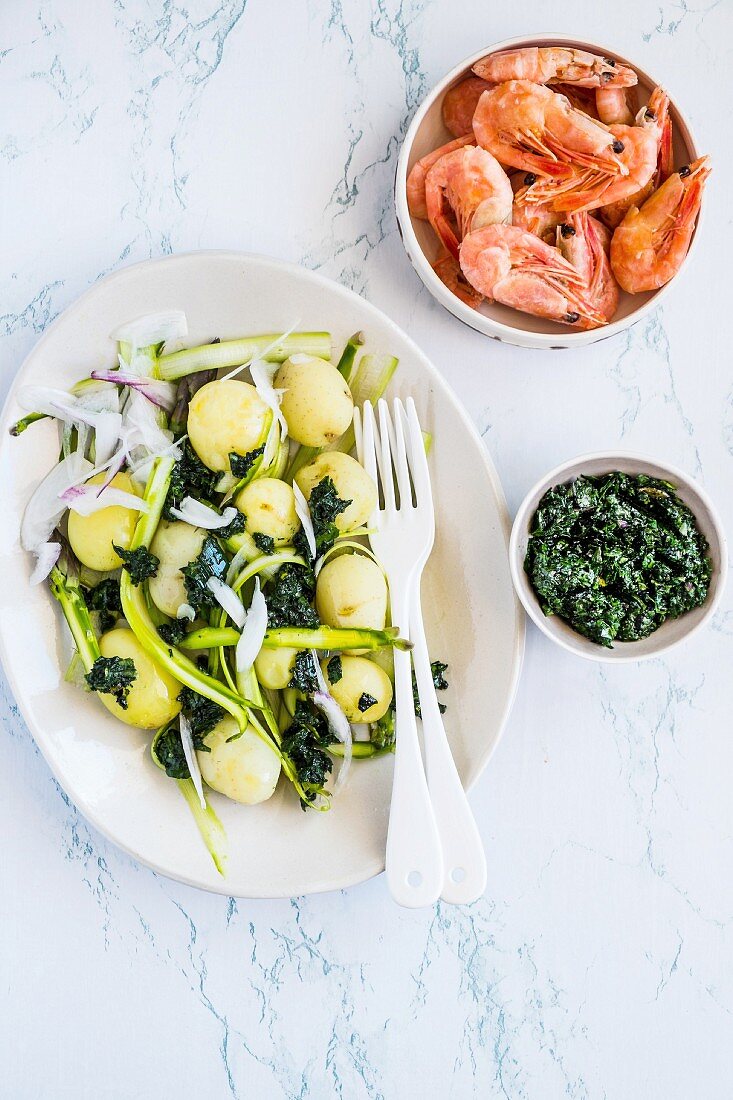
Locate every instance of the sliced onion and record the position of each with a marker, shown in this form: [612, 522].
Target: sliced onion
[185, 611]
[152, 328]
[45, 508]
[360, 731]
[85, 499]
[64, 406]
[300, 358]
[304, 515]
[47, 554]
[338, 723]
[199, 514]
[191, 759]
[240, 558]
[253, 632]
[263, 374]
[228, 599]
[162, 394]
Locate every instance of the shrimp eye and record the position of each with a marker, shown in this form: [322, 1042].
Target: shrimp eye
[649, 113]
[529, 179]
[567, 230]
[607, 76]
[618, 146]
[684, 171]
[571, 318]
[610, 61]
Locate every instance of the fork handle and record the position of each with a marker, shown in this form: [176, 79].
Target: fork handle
[414, 859]
[464, 859]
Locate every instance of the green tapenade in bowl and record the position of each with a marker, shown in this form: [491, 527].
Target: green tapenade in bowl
[616, 555]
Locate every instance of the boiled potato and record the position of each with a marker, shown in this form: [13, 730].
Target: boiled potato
[352, 592]
[352, 483]
[317, 402]
[91, 537]
[359, 677]
[152, 699]
[269, 506]
[175, 544]
[245, 770]
[226, 416]
[274, 667]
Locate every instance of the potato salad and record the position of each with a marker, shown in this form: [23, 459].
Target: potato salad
[203, 534]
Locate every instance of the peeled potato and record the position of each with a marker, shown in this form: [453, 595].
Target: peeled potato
[360, 677]
[91, 537]
[274, 667]
[152, 699]
[317, 402]
[226, 416]
[269, 505]
[352, 483]
[352, 592]
[245, 769]
[175, 544]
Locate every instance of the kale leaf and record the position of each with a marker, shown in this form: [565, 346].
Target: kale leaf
[210, 563]
[304, 676]
[105, 598]
[437, 668]
[187, 387]
[264, 543]
[189, 478]
[324, 504]
[140, 563]
[365, 701]
[113, 676]
[168, 750]
[242, 464]
[334, 669]
[304, 742]
[174, 632]
[202, 713]
[289, 598]
[234, 527]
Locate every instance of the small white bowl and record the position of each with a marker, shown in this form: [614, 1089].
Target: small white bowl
[672, 631]
[427, 132]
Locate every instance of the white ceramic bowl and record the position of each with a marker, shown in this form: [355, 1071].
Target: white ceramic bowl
[671, 632]
[473, 618]
[427, 132]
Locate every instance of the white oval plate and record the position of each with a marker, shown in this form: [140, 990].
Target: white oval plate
[474, 621]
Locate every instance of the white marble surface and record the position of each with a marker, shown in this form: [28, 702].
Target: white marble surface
[599, 962]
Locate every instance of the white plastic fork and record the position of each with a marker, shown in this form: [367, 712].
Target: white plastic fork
[401, 538]
[409, 534]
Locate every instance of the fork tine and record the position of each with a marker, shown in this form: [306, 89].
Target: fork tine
[384, 458]
[418, 458]
[399, 454]
[368, 444]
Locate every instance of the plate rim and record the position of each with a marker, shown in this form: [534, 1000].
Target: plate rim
[294, 269]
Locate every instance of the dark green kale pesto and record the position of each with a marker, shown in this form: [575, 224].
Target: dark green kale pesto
[615, 556]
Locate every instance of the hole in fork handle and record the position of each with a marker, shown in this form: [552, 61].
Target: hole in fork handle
[414, 879]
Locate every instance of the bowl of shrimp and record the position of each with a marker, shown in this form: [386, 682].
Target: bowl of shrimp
[549, 192]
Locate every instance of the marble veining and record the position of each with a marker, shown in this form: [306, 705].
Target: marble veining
[598, 965]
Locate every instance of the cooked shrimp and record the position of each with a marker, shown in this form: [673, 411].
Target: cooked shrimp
[555, 65]
[649, 246]
[529, 126]
[519, 270]
[581, 241]
[612, 106]
[419, 170]
[449, 272]
[465, 190]
[459, 103]
[591, 186]
[583, 99]
[613, 213]
[539, 218]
